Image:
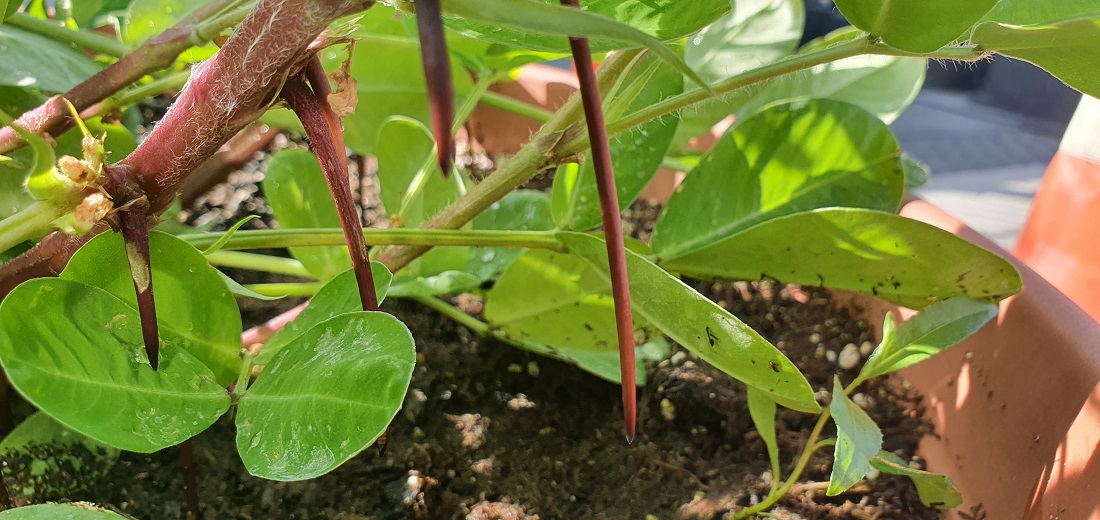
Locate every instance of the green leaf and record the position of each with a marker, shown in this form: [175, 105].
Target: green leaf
[239, 290]
[1057, 36]
[8, 8]
[32, 60]
[216, 246]
[192, 300]
[933, 330]
[636, 156]
[14, 171]
[922, 26]
[447, 282]
[149, 18]
[858, 440]
[299, 196]
[325, 397]
[882, 85]
[916, 172]
[42, 180]
[904, 261]
[518, 22]
[756, 32]
[782, 161]
[76, 352]
[934, 490]
[762, 410]
[339, 296]
[520, 210]
[43, 460]
[80, 511]
[602, 364]
[540, 25]
[701, 326]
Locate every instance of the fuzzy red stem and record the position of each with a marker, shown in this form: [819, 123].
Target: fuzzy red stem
[313, 111]
[612, 226]
[135, 233]
[437, 73]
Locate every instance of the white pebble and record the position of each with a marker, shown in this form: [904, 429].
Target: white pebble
[849, 357]
[819, 353]
[830, 355]
[815, 338]
[866, 348]
[863, 401]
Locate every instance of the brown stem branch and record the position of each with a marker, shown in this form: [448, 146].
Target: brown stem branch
[135, 234]
[190, 480]
[437, 73]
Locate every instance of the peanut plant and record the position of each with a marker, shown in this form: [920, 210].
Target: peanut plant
[131, 336]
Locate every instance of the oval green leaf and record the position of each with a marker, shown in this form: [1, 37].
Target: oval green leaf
[701, 326]
[193, 301]
[934, 329]
[858, 440]
[44, 460]
[916, 26]
[934, 490]
[77, 353]
[756, 32]
[338, 296]
[32, 60]
[635, 154]
[520, 210]
[149, 18]
[1057, 36]
[782, 161]
[299, 196]
[80, 511]
[762, 411]
[904, 261]
[325, 397]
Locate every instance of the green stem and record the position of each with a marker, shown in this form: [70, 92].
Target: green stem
[298, 289]
[271, 238]
[959, 53]
[479, 327]
[255, 262]
[81, 38]
[812, 445]
[243, 376]
[30, 223]
[233, 14]
[172, 81]
[516, 106]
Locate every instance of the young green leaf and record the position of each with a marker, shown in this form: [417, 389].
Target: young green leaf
[922, 26]
[637, 154]
[934, 329]
[8, 8]
[339, 295]
[325, 397]
[299, 196]
[834, 154]
[701, 326]
[79, 511]
[870, 252]
[1057, 36]
[216, 246]
[43, 181]
[239, 290]
[192, 299]
[934, 490]
[762, 411]
[149, 18]
[916, 172]
[533, 27]
[43, 460]
[754, 33]
[858, 440]
[447, 282]
[76, 352]
[535, 16]
[32, 60]
[520, 210]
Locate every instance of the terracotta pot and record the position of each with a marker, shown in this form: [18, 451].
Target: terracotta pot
[1016, 407]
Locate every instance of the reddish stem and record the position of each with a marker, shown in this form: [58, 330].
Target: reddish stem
[316, 116]
[612, 226]
[190, 481]
[135, 234]
[437, 73]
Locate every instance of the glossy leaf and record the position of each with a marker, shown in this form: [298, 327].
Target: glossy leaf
[934, 490]
[882, 85]
[216, 246]
[762, 410]
[520, 210]
[14, 170]
[755, 33]
[894, 258]
[701, 326]
[42, 179]
[32, 60]
[239, 290]
[602, 364]
[79, 511]
[1057, 36]
[916, 172]
[447, 282]
[782, 161]
[519, 22]
[922, 26]
[8, 8]
[299, 196]
[325, 397]
[934, 329]
[43, 460]
[338, 296]
[858, 440]
[149, 18]
[541, 27]
[76, 352]
[192, 300]
[636, 154]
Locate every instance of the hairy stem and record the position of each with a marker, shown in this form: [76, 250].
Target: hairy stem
[87, 39]
[135, 233]
[314, 112]
[437, 73]
[272, 238]
[612, 225]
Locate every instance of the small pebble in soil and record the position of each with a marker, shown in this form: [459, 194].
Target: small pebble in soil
[815, 338]
[866, 348]
[863, 401]
[533, 369]
[668, 410]
[819, 353]
[831, 356]
[514, 368]
[849, 357]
